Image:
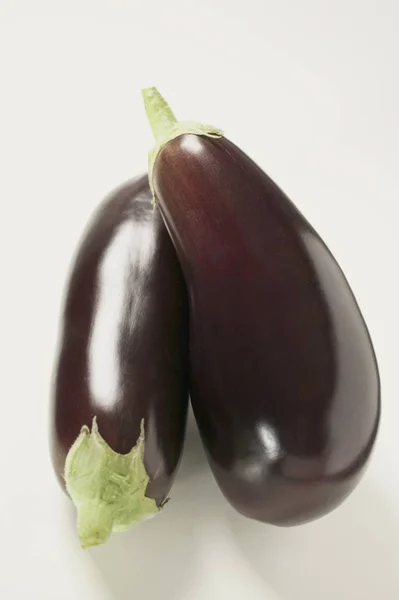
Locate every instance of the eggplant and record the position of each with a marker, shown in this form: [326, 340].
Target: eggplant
[284, 380]
[120, 382]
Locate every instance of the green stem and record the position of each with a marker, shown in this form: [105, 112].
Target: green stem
[107, 488]
[166, 127]
[95, 521]
[159, 113]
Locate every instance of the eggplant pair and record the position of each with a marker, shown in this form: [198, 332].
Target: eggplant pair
[225, 291]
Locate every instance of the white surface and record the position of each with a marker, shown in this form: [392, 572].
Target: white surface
[308, 88]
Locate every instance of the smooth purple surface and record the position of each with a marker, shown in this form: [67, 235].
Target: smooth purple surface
[124, 338]
[284, 380]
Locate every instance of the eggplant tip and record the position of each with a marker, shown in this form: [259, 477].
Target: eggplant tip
[165, 127]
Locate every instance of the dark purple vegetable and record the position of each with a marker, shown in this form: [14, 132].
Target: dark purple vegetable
[284, 380]
[122, 368]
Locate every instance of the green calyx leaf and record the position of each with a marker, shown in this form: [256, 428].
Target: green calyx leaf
[166, 127]
[107, 488]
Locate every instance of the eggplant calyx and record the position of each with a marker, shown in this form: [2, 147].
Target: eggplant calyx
[166, 127]
[107, 488]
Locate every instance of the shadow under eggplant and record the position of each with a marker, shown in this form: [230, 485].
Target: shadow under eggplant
[351, 554]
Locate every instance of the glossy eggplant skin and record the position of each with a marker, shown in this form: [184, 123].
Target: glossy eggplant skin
[123, 348]
[284, 380]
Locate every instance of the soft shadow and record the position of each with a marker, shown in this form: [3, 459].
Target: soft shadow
[153, 560]
[194, 459]
[157, 558]
[351, 554]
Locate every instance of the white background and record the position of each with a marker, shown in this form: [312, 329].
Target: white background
[310, 89]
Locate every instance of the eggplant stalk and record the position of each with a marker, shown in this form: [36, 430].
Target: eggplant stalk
[107, 488]
[166, 127]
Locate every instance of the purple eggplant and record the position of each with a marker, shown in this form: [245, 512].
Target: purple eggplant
[120, 387]
[284, 379]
